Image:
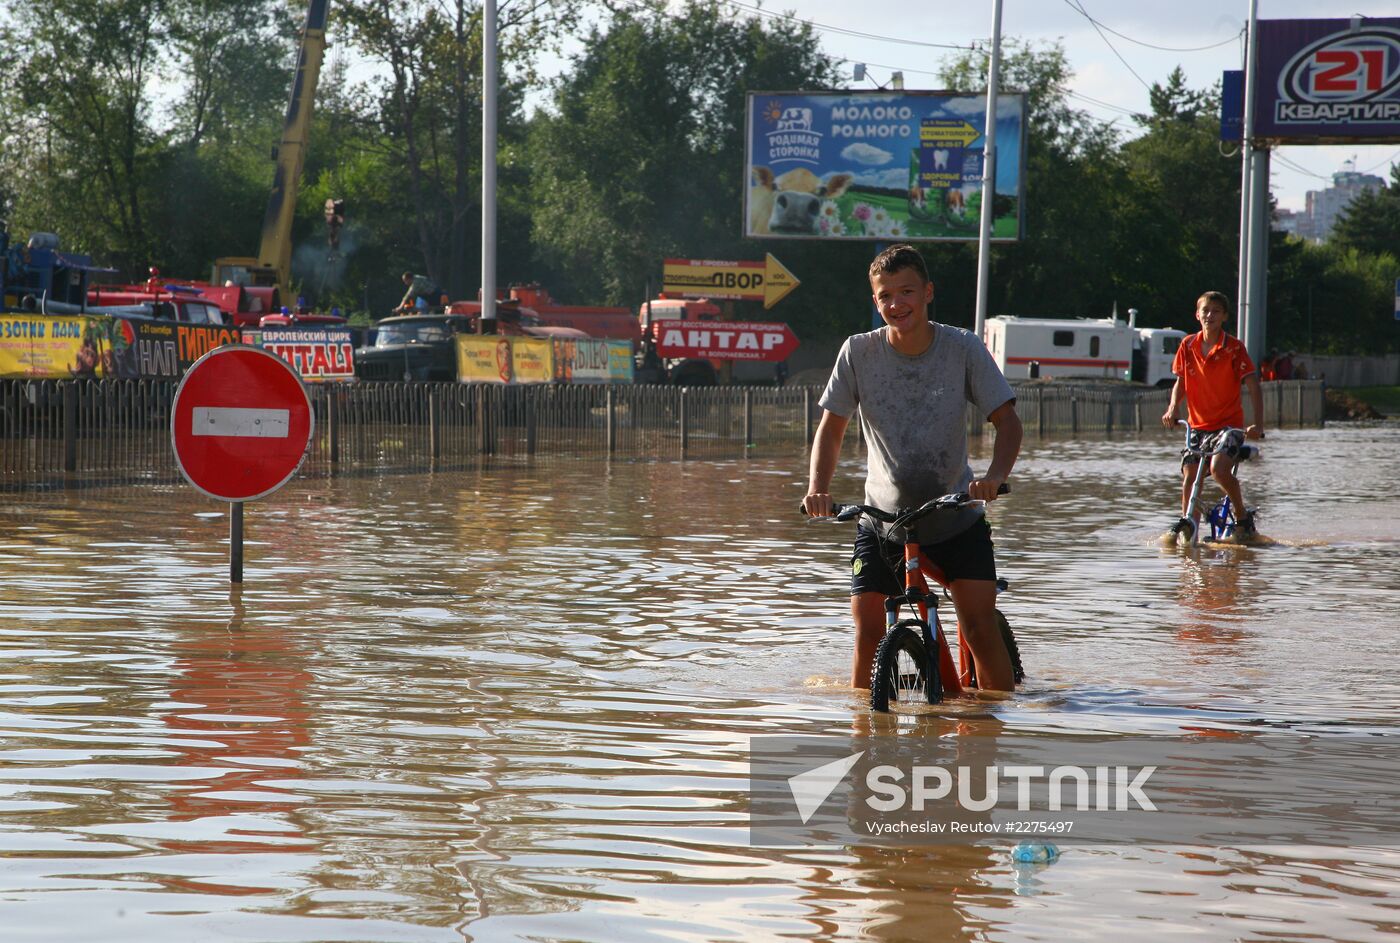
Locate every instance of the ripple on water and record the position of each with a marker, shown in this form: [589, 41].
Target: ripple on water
[443, 706]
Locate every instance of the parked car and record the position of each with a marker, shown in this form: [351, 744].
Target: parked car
[413, 347]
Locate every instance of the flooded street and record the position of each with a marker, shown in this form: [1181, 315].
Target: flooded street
[515, 704]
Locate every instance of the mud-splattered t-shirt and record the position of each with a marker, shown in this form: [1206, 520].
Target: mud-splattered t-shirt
[913, 412]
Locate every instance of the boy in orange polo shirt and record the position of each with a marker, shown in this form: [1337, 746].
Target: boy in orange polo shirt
[1209, 367]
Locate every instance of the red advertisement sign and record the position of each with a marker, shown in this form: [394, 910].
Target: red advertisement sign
[725, 340]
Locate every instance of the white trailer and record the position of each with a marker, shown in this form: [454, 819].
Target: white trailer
[1153, 353]
[1061, 347]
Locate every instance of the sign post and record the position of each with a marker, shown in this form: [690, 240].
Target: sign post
[768, 281]
[241, 424]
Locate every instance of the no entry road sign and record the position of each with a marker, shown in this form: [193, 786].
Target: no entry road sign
[241, 423]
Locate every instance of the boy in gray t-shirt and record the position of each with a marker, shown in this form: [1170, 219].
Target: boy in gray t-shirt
[912, 380]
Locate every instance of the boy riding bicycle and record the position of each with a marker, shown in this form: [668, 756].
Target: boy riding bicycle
[912, 380]
[1209, 366]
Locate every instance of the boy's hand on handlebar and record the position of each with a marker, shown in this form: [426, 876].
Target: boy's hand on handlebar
[985, 489]
[817, 505]
[1169, 418]
[1254, 432]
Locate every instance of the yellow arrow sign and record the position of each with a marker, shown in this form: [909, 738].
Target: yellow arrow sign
[768, 281]
[947, 131]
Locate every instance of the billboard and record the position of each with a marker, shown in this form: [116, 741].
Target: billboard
[317, 354]
[894, 166]
[483, 358]
[99, 346]
[1328, 81]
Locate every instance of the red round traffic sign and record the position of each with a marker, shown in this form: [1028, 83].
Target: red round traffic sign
[241, 423]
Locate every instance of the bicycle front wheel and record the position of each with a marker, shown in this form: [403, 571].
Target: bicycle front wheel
[903, 672]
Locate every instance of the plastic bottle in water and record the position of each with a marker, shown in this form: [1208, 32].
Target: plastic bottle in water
[1028, 852]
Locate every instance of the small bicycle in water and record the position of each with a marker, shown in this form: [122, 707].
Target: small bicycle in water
[1221, 518]
[913, 663]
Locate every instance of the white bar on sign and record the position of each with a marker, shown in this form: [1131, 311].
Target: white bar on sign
[241, 422]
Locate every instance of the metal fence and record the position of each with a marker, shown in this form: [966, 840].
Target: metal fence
[1060, 407]
[64, 433]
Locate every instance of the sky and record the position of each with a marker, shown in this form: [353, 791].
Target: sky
[1114, 62]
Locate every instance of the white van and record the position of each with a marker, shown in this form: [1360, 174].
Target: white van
[1062, 347]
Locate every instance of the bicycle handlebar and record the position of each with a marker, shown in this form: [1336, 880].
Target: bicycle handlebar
[1183, 422]
[949, 502]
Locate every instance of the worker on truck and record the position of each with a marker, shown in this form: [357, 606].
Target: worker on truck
[422, 293]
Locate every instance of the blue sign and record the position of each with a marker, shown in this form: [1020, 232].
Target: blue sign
[1397, 299]
[1328, 81]
[891, 166]
[1231, 105]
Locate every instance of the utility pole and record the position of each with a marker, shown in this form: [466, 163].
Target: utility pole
[1249, 178]
[488, 166]
[989, 170]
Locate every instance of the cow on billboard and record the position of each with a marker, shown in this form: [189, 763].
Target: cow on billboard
[880, 165]
[792, 202]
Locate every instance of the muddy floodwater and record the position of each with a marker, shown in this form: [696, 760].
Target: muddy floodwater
[514, 703]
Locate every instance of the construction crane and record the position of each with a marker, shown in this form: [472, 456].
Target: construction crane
[273, 264]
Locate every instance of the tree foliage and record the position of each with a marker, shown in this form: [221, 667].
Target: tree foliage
[95, 152]
[140, 130]
[641, 154]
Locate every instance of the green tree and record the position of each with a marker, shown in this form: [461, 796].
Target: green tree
[87, 146]
[1064, 264]
[129, 121]
[640, 155]
[428, 105]
[1182, 197]
[1371, 222]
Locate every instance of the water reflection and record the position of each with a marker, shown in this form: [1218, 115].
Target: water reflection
[1210, 595]
[515, 703]
[239, 707]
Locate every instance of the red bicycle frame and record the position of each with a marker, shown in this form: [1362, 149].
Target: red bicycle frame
[916, 567]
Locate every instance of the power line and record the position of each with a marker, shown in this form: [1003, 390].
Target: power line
[1297, 167]
[759, 11]
[1148, 45]
[1076, 5]
[1388, 160]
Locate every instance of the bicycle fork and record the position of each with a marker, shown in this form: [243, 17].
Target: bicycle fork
[926, 605]
[1192, 519]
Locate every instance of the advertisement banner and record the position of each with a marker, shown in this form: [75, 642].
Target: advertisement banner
[581, 360]
[156, 353]
[1328, 81]
[621, 367]
[60, 347]
[483, 359]
[890, 166]
[725, 340]
[317, 354]
[195, 340]
[45, 347]
[532, 359]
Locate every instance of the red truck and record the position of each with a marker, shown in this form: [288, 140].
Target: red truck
[243, 305]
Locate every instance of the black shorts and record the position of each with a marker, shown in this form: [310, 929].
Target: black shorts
[1208, 441]
[964, 556]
